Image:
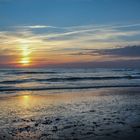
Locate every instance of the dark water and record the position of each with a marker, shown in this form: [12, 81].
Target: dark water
[12, 80]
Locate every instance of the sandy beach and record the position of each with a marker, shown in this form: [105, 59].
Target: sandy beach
[110, 114]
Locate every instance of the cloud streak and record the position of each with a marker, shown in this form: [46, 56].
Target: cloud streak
[127, 51]
[92, 42]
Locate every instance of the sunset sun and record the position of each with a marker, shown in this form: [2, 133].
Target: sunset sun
[25, 53]
[25, 61]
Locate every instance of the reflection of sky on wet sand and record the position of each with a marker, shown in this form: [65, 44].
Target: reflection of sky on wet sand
[25, 101]
[110, 110]
[29, 101]
[27, 104]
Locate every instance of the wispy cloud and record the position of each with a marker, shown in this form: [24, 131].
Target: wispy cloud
[127, 51]
[89, 41]
[36, 27]
[88, 34]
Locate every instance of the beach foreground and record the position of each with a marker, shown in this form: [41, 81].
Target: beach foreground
[109, 114]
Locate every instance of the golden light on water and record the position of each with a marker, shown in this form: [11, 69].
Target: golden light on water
[25, 100]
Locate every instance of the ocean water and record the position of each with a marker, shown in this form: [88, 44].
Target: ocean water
[15, 80]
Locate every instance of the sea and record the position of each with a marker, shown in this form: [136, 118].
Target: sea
[60, 79]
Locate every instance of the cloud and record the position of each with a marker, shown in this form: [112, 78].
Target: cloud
[87, 35]
[103, 64]
[36, 27]
[100, 36]
[90, 42]
[128, 51]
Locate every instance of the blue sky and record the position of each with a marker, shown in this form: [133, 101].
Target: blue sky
[68, 12]
[78, 31]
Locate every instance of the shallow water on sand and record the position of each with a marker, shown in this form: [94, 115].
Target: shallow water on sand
[86, 114]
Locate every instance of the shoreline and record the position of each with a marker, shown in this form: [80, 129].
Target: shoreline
[9, 94]
[67, 88]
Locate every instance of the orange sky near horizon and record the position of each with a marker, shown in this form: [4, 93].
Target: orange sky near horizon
[25, 48]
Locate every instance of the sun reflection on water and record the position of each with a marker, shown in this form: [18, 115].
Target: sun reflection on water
[25, 100]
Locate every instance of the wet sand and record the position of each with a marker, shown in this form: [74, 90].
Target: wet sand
[99, 114]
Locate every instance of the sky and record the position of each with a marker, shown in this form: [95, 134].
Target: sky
[69, 33]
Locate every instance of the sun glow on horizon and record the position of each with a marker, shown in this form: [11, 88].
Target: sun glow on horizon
[25, 56]
[25, 61]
